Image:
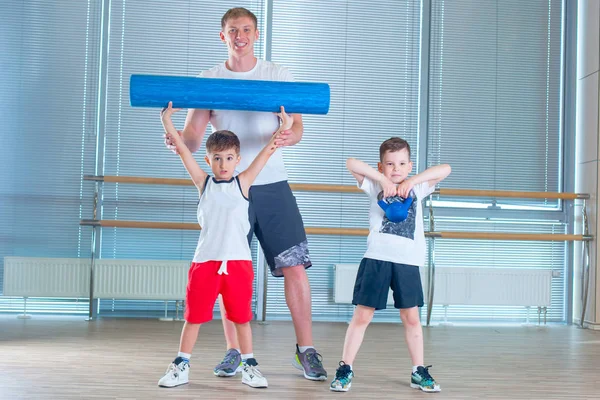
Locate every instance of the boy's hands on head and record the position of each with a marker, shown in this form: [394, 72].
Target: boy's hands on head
[404, 188]
[284, 132]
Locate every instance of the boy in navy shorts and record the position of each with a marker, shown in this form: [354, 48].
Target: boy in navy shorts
[222, 263]
[395, 251]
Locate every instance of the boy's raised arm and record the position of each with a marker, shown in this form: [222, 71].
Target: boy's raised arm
[432, 175]
[360, 169]
[196, 173]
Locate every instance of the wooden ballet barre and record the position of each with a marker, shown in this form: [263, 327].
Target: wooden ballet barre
[511, 194]
[319, 187]
[307, 187]
[105, 223]
[141, 180]
[509, 236]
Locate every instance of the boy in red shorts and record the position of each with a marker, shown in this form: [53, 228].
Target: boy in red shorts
[222, 262]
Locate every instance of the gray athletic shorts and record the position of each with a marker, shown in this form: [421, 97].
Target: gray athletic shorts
[277, 223]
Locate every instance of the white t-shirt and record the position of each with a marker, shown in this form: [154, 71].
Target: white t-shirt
[398, 242]
[223, 216]
[253, 128]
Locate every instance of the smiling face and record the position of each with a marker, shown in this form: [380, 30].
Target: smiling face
[239, 34]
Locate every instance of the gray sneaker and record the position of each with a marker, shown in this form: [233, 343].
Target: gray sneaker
[311, 363]
[231, 364]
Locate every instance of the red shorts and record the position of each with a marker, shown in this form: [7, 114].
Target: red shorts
[205, 284]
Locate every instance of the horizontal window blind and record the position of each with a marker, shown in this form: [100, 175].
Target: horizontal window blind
[48, 97]
[494, 95]
[371, 63]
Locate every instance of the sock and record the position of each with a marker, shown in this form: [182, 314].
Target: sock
[415, 368]
[304, 348]
[247, 356]
[350, 365]
[186, 356]
[238, 350]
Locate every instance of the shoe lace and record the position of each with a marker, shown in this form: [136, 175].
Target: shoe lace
[343, 372]
[229, 358]
[254, 371]
[173, 370]
[315, 360]
[425, 374]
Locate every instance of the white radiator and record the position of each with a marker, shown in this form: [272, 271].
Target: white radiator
[468, 286]
[140, 279]
[46, 277]
[113, 279]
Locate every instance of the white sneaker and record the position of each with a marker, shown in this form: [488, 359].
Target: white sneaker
[177, 374]
[252, 376]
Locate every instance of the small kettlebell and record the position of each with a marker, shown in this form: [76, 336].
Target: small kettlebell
[397, 211]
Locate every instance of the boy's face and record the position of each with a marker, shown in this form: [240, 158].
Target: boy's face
[223, 163]
[239, 35]
[395, 165]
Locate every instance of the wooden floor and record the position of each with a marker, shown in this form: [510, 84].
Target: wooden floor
[68, 358]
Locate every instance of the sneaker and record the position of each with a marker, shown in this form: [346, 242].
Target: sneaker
[343, 378]
[177, 374]
[311, 363]
[252, 376]
[422, 380]
[231, 364]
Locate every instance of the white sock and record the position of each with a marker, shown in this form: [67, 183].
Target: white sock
[184, 355]
[415, 368]
[247, 356]
[304, 348]
[238, 350]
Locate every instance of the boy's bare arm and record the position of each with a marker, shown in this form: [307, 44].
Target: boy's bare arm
[432, 175]
[196, 122]
[360, 169]
[196, 173]
[248, 176]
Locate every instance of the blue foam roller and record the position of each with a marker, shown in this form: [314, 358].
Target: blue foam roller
[228, 94]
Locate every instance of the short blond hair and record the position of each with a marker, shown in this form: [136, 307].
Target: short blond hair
[237, 12]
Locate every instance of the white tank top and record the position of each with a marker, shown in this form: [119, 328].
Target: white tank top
[223, 216]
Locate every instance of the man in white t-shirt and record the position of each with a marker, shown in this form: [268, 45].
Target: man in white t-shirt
[274, 215]
[395, 251]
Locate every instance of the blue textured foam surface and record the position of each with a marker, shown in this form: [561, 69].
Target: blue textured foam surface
[228, 94]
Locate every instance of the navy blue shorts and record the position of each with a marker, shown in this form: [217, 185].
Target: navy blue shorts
[277, 223]
[375, 278]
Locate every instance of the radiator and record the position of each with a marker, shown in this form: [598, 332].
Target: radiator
[468, 286]
[113, 279]
[46, 277]
[140, 279]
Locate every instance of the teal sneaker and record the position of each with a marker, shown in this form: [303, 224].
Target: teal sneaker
[422, 380]
[343, 378]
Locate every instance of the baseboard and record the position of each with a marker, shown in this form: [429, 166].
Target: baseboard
[588, 325]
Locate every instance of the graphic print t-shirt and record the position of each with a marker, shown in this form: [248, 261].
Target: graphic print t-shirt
[399, 242]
